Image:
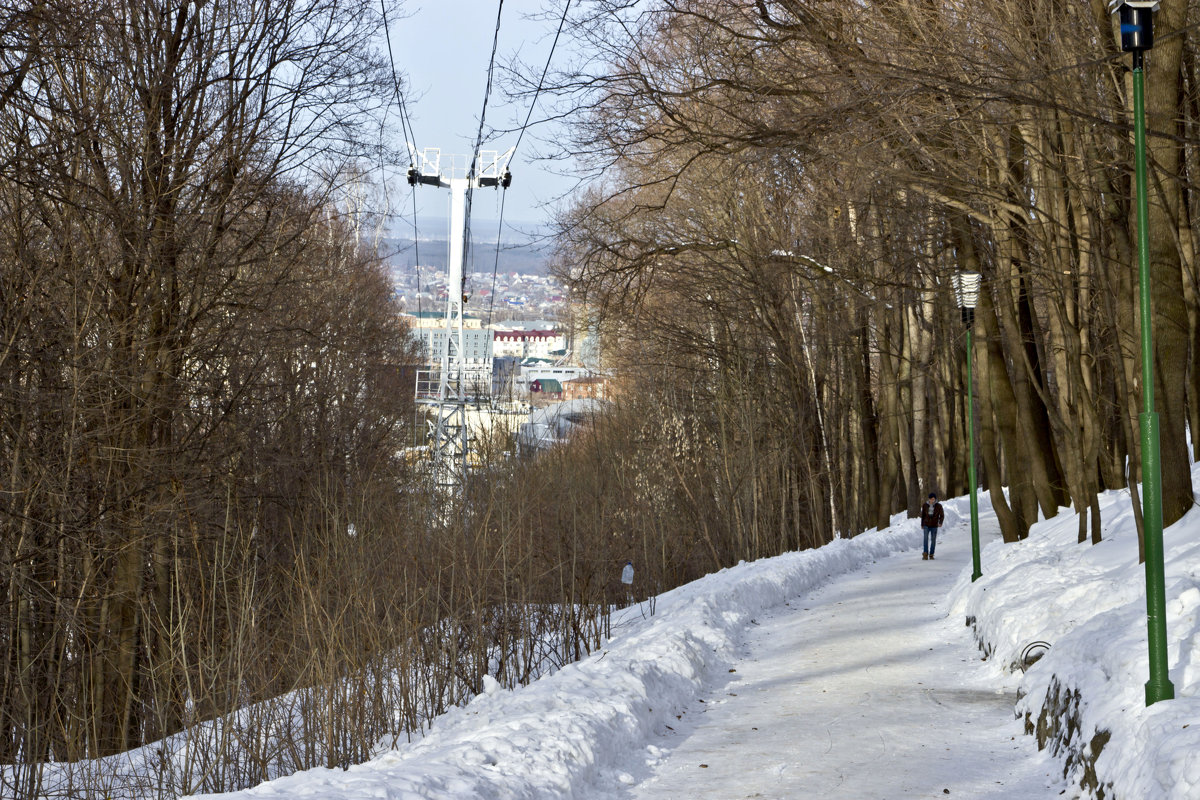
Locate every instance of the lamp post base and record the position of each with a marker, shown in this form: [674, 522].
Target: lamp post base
[1156, 691]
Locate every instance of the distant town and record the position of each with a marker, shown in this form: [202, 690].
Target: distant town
[498, 297]
[525, 352]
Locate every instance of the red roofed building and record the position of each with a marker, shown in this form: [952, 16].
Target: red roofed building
[585, 387]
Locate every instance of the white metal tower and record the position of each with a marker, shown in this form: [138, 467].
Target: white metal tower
[449, 433]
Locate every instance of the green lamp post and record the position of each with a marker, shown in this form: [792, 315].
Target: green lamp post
[966, 292]
[1137, 36]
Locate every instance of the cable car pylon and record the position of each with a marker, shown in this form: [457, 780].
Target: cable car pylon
[449, 434]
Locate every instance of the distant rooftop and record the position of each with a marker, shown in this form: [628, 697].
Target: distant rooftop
[504, 336]
[435, 315]
[524, 325]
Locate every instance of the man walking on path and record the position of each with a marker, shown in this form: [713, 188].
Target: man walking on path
[932, 518]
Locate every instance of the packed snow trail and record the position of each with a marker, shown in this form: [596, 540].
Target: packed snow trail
[839, 672]
[827, 673]
[862, 688]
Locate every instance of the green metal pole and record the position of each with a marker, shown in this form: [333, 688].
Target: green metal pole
[978, 573]
[1159, 686]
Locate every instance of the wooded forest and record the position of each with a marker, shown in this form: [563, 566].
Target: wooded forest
[782, 194]
[205, 499]
[190, 417]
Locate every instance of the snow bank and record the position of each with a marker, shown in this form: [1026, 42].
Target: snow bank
[569, 733]
[1089, 603]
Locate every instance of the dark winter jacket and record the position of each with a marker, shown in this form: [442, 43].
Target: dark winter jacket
[932, 516]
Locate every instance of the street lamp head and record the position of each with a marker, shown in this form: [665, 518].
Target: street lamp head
[1115, 5]
[966, 292]
[966, 288]
[1137, 23]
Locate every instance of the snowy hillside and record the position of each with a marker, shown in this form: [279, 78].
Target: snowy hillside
[573, 730]
[845, 671]
[1089, 603]
[573, 734]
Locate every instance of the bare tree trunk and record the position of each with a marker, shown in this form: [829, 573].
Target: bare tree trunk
[1170, 324]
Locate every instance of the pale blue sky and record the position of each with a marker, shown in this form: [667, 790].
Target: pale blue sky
[442, 47]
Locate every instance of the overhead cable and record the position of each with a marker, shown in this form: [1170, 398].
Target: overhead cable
[529, 115]
[410, 136]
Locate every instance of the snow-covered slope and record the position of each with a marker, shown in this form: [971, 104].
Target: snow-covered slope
[572, 734]
[862, 688]
[573, 730]
[1089, 604]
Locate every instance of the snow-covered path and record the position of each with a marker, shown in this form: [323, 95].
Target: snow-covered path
[839, 672]
[861, 689]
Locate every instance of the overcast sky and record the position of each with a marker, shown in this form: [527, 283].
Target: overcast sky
[442, 47]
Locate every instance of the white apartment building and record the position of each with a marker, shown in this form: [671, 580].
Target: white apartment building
[477, 345]
[538, 372]
[477, 360]
[528, 343]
